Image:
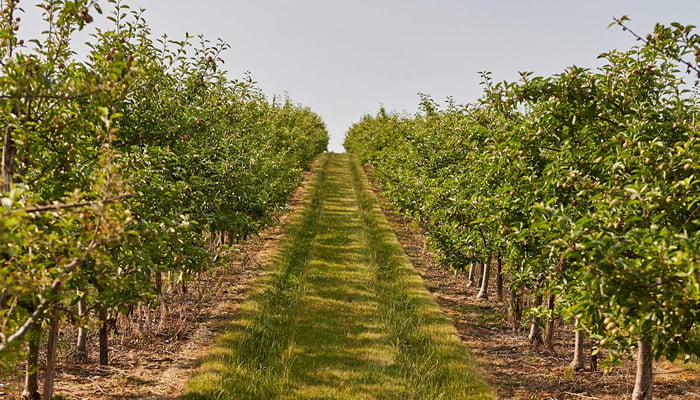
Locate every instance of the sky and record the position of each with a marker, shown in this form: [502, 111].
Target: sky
[345, 59]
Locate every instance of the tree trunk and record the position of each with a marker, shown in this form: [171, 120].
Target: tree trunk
[159, 282]
[472, 272]
[147, 318]
[81, 345]
[51, 350]
[163, 313]
[478, 273]
[549, 328]
[515, 308]
[212, 241]
[104, 343]
[535, 335]
[499, 278]
[594, 361]
[484, 291]
[643, 382]
[579, 344]
[8, 160]
[31, 376]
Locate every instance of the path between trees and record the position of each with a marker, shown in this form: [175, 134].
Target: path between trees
[340, 314]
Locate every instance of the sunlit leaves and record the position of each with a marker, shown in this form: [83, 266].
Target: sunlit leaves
[125, 164]
[587, 177]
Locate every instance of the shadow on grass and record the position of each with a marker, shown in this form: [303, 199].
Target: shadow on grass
[327, 322]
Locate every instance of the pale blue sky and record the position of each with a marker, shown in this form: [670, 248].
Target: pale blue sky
[345, 59]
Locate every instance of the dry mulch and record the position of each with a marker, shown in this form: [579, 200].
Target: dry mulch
[508, 361]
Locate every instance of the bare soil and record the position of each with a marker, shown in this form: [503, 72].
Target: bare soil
[508, 361]
[155, 363]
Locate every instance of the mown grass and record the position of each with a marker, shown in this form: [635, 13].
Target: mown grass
[433, 361]
[252, 359]
[341, 314]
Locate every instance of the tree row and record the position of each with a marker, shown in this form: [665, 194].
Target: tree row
[124, 171]
[581, 190]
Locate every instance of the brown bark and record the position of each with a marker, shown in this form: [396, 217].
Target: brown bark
[579, 344]
[104, 343]
[8, 160]
[643, 383]
[163, 313]
[484, 291]
[499, 278]
[51, 353]
[549, 328]
[159, 282]
[31, 375]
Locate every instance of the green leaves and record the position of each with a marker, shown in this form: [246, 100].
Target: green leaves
[589, 177]
[124, 166]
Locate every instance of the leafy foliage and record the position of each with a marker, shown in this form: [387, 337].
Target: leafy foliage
[129, 164]
[586, 182]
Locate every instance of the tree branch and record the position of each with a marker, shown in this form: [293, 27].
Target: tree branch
[45, 304]
[59, 207]
[648, 43]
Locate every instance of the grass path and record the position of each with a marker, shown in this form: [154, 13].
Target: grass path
[341, 313]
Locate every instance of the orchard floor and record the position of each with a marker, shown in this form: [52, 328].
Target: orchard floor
[340, 314]
[157, 366]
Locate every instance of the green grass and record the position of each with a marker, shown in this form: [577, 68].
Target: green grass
[433, 361]
[692, 365]
[341, 314]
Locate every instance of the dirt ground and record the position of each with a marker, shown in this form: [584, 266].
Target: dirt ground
[158, 366]
[508, 361]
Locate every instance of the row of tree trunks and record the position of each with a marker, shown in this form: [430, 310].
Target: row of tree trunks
[480, 272]
[31, 379]
[221, 238]
[33, 338]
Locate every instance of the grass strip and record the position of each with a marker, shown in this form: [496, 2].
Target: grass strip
[340, 347]
[252, 359]
[341, 315]
[433, 361]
